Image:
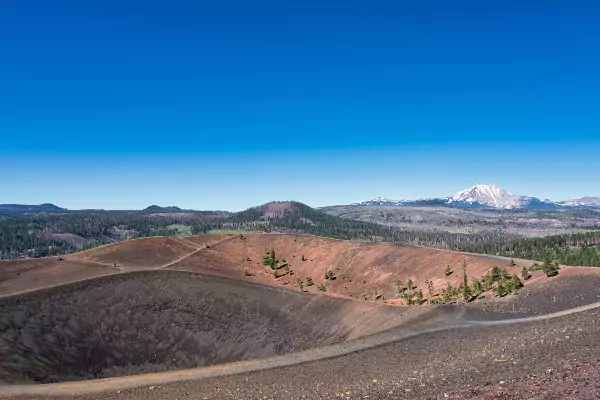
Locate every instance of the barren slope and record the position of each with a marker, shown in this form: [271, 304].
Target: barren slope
[150, 321]
[412, 362]
[25, 275]
[363, 269]
[203, 240]
[163, 320]
[140, 253]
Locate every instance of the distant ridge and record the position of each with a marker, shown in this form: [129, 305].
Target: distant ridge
[159, 209]
[21, 208]
[490, 196]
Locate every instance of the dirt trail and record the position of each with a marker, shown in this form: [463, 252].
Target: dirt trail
[195, 252]
[23, 276]
[557, 314]
[185, 240]
[143, 253]
[364, 270]
[164, 266]
[440, 319]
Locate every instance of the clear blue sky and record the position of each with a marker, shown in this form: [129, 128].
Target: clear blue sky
[225, 105]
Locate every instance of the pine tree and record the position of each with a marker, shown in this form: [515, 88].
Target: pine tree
[429, 285]
[497, 274]
[409, 284]
[515, 282]
[448, 271]
[501, 289]
[270, 260]
[477, 286]
[466, 290]
[399, 286]
[447, 293]
[550, 268]
[420, 296]
[525, 273]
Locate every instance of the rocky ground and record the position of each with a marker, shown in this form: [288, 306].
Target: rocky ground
[573, 287]
[578, 381]
[536, 345]
[154, 321]
[477, 360]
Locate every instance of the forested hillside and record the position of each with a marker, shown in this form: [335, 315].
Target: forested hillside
[299, 218]
[43, 234]
[569, 249]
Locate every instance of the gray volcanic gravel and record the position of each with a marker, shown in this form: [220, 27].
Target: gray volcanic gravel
[422, 367]
[457, 360]
[558, 294]
[165, 320]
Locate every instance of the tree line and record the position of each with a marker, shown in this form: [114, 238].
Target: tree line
[569, 249]
[39, 235]
[34, 235]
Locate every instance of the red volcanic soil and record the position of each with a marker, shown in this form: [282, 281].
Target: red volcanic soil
[362, 269]
[272, 210]
[25, 275]
[143, 253]
[202, 240]
[163, 319]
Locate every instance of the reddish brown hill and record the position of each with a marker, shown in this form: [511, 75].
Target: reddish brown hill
[362, 269]
[148, 253]
[144, 253]
[277, 209]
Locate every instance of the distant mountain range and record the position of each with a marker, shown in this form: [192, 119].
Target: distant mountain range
[20, 208]
[47, 207]
[491, 196]
[481, 195]
[159, 209]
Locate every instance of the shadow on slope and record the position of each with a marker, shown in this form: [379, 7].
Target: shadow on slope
[164, 320]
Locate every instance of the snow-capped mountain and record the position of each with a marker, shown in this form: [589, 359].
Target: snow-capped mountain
[490, 196]
[582, 202]
[384, 201]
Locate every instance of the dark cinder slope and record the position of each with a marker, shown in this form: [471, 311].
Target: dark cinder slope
[162, 320]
